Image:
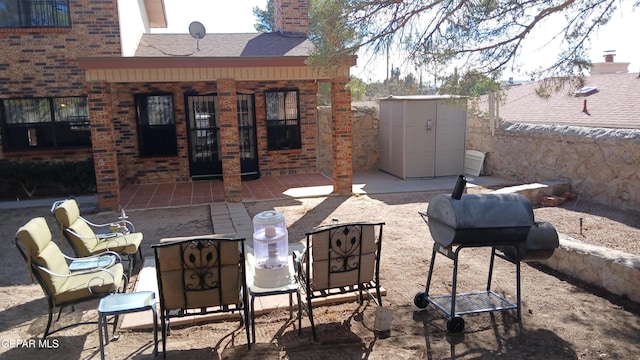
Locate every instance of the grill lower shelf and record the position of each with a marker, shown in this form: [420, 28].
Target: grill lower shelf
[472, 303]
[457, 304]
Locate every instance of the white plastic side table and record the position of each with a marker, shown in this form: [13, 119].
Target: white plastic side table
[256, 291]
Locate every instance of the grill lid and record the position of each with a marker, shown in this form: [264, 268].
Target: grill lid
[475, 211]
[479, 218]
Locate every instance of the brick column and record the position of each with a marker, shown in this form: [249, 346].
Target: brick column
[229, 140]
[104, 148]
[342, 144]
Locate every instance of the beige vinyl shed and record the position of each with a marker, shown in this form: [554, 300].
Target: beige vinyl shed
[422, 136]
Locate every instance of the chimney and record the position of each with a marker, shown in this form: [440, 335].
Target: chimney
[609, 66]
[291, 17]
[609, 55]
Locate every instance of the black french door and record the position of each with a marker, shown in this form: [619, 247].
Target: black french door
[248, 139]
[205, 158]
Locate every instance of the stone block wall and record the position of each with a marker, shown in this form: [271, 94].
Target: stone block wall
[365, 136]
[602, 165]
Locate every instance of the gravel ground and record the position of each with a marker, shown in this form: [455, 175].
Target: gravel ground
[595, 224]
[562, 318]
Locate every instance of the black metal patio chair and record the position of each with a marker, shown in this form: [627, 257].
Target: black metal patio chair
[201, 275]
[339, 259]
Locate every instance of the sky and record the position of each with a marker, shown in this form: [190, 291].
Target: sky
[237, 17]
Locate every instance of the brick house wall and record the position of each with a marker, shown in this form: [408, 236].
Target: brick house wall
[42, 63]
[295, 161]
[46, 63]
[134, 169]
[342, 144]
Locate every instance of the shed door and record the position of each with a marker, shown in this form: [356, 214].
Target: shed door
[392, 137]
[450, 137]
[420, 139]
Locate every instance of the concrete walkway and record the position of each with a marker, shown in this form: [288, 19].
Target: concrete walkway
[267, 188]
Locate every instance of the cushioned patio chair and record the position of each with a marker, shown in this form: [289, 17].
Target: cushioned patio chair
[49, 266]
[86, 242]
[201, 275]
[338, 259]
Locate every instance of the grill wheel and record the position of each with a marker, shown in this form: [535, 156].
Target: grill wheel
[420, 300]
[455, 324]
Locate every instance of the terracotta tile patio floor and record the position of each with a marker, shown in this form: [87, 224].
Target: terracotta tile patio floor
[208, 191]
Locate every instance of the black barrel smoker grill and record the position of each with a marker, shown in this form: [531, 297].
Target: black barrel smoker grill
[504, 222]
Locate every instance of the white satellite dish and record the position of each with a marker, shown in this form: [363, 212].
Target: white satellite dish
[197, 31]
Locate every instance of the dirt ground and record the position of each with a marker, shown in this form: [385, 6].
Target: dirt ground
[562, 318]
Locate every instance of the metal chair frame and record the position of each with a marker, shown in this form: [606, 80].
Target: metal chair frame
[349, 259]
[62, 305]
[203, 280]
[125, 226]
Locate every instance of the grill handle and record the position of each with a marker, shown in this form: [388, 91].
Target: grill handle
[461, 183]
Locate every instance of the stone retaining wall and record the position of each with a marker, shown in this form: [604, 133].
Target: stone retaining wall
[602, 165]
[615, 271]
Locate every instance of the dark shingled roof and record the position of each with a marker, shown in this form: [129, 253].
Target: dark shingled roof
[224, 45]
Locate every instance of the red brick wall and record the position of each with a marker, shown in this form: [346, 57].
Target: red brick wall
[102, 138]
[291, 16]
[42, 62]
[229, 140]
[132, 168]
[136, 170]
[295, 161]
[342, 143]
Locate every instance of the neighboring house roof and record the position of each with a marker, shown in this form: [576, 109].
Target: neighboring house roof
[616, 104]
[223, 45]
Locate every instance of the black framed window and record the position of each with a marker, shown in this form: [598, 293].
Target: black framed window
[34, 13]
[283, 119]
[45, 123]
[156, 125]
